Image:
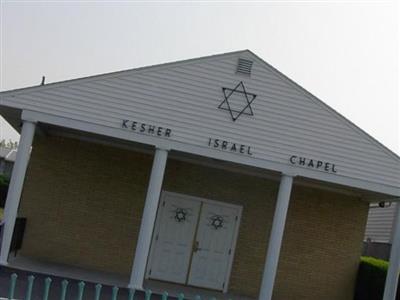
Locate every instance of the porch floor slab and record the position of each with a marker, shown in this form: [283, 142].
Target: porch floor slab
[67, 271]
[24, 266]
[190, 292]
[55, 288]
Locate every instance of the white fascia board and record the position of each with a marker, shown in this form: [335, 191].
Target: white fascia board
[325, 106]
[167, 144]
[379, 241]
[110, 75]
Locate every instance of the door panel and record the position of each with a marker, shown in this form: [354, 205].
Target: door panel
[215, 234]
[173, 238]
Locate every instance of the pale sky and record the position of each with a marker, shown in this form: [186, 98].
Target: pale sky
[344, 52]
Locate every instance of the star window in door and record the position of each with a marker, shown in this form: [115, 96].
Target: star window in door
[217, 221]
[180, 215]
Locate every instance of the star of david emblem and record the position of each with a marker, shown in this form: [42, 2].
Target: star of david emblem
[180, 215]
[237, 101]
[217, 221]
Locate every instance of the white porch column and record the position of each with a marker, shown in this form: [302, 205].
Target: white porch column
[148, 219]
[276, 235]
[15, 187]
[394, 262]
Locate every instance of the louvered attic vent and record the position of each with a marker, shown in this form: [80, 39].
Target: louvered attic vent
[244, 66]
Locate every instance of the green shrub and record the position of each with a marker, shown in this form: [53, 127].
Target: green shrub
[371, 279]
[4, 182]
[380, 264]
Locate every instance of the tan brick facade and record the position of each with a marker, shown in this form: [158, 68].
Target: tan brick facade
[321, 247]
[84, 202]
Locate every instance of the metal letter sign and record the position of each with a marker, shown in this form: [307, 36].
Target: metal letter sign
[247, 99]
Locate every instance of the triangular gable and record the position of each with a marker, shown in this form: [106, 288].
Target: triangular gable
[279, 119]
[323, 105]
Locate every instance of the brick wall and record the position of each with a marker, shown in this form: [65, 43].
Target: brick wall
[84, 203]
[322, 246]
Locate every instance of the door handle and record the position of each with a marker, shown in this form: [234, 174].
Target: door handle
[196, 246]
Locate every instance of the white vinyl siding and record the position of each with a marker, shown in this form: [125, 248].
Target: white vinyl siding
[185, 96]
[380, 223]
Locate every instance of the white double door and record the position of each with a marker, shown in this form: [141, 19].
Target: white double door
[193, 241]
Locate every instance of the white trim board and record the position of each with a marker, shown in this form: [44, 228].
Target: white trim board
[208, 152]
[118, 73]
[209, 162]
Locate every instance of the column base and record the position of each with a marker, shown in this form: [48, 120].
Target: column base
[135, 287]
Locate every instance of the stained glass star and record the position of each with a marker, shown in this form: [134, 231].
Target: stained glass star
[245, 97]
[180, 215]
[217, 221]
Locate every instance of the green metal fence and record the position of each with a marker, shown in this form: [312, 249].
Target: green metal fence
[65, 285]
